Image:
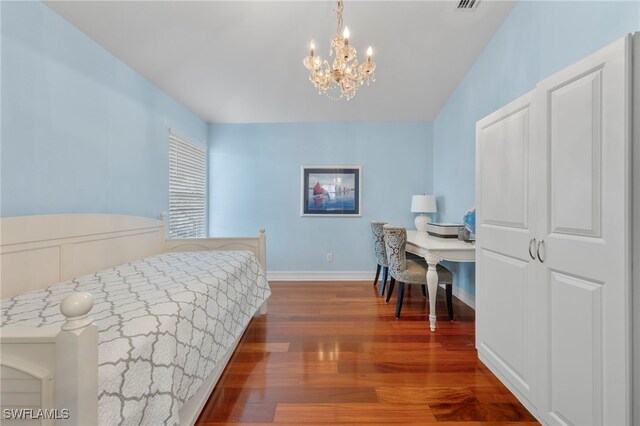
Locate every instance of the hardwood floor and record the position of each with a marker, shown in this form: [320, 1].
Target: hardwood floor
[333, 353]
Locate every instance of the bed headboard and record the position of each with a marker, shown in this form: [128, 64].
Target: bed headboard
[37, 251]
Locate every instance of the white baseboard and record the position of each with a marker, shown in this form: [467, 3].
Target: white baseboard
[320, 275]
[465, 297]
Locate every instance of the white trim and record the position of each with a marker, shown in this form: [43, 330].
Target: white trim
[635, 262]
[187, 137]
[320, 275]
[513, 389]
[465, 297]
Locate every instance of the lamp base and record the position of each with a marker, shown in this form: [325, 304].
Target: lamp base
[422, 220]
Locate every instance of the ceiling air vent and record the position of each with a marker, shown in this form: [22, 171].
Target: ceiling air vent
[467, 4]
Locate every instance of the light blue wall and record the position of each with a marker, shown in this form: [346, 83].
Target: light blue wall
[81, 131]
[255, 181]
[537, 39]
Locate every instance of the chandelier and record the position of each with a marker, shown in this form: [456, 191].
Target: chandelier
[346, 74]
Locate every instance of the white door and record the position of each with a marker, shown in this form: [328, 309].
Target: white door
[583, 216]
[505, 271]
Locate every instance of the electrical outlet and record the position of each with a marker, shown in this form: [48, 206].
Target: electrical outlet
[329, 257]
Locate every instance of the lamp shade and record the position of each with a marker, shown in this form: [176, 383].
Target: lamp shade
[423, 204]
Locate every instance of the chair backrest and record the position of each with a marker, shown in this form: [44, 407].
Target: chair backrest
[378, 243]
[395, 239]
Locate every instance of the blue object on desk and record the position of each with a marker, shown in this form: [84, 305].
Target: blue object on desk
[469, 221]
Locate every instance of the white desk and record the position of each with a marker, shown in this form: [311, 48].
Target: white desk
[435, 250]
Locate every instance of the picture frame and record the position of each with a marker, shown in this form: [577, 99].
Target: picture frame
[331, 191]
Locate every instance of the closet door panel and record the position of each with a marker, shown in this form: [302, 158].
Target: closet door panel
[505, 282]
[575, 320]
[575, 139]
[582, 180]
[505, 183]
[504, 272]
[503, 187]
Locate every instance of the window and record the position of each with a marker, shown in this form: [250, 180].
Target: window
[187, 189]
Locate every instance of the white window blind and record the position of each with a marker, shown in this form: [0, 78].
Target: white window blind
[187, 189]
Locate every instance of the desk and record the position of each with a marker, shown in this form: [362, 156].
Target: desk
[435, 250]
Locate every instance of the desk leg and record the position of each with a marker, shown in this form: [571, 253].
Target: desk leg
[432, 285]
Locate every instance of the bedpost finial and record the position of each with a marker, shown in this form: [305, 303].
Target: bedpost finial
[75, 308]
[262, 230]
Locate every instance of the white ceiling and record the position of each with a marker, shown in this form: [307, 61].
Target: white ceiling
[241, 62]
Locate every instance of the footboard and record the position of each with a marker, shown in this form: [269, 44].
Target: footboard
[50, 374]
[256, 245]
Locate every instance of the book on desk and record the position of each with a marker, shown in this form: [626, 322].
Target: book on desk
[444, 230]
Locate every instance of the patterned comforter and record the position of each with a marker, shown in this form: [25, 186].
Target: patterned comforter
[164, 323]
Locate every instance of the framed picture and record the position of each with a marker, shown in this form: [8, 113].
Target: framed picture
[331, 191]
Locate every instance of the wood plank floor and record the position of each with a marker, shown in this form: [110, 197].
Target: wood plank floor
[333, 353]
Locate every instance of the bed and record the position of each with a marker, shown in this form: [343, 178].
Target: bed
[105, 321]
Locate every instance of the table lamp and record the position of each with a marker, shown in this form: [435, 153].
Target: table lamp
[423, 204]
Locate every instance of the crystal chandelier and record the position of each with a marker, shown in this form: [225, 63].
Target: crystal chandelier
[347, 74]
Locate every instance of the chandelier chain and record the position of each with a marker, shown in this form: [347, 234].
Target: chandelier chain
[339, 10]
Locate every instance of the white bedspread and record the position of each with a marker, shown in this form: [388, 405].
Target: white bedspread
[164, 323]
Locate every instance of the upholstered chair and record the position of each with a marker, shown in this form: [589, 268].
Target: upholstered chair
[381, 254]
[406, 271]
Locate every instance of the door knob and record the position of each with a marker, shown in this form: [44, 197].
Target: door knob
[532, 241]
[541, 243]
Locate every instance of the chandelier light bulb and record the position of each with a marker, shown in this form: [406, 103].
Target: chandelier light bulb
[345, 33]
[312, 48]
[369, 51]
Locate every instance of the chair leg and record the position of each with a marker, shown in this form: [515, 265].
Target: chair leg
[424, 291]
[400, 297]
[392, 284]
[375, 281]
[449, 288]
[385, 272]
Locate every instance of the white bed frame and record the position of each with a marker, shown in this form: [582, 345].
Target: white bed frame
[57, 368]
